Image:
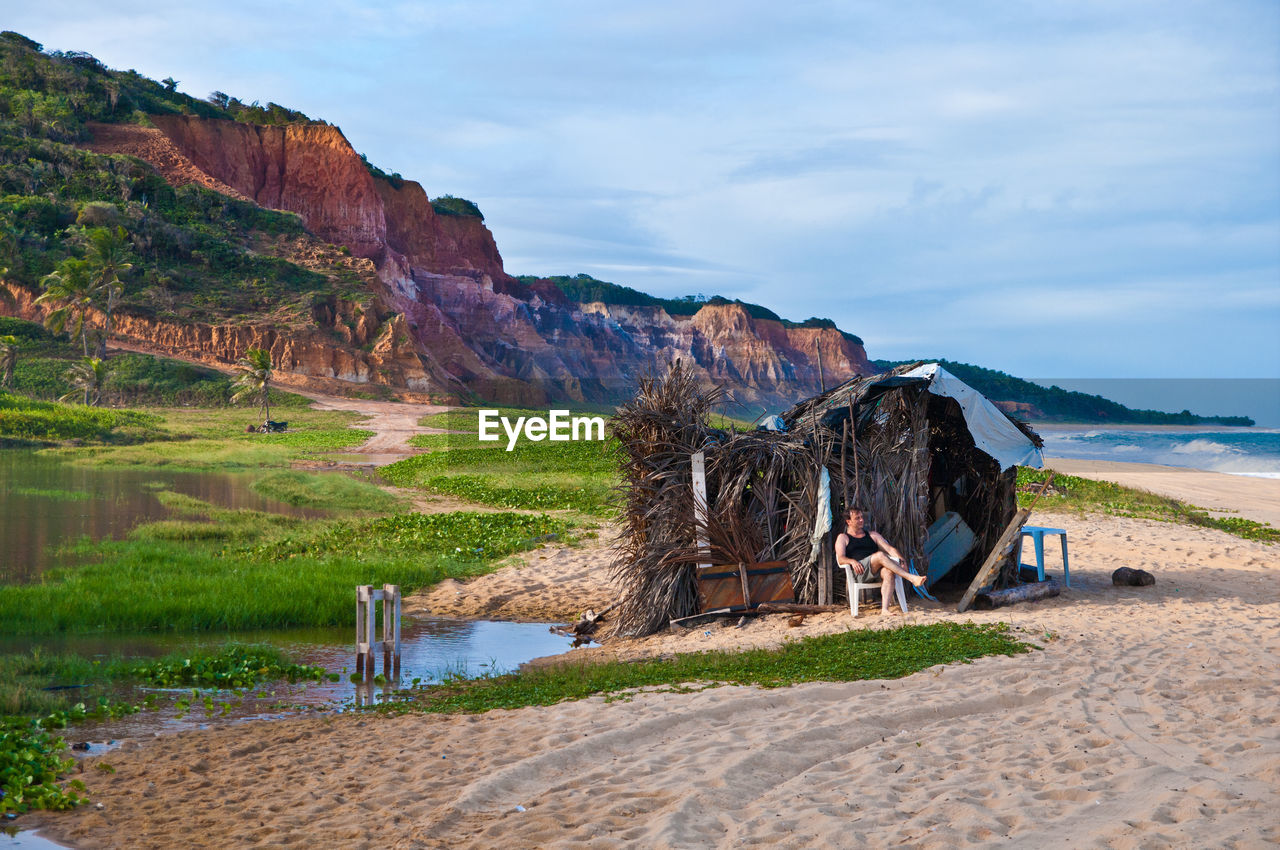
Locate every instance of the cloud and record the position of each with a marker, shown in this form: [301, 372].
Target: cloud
[958, 178]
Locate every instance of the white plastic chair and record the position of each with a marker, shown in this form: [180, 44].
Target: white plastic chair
[856, 587]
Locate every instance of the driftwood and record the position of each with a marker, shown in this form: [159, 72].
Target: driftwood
[1022, 593]
[586, 626]
[707, 617]
[796, 608]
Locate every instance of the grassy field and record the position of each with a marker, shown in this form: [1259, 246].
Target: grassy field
[1084, 495]
[845, 657]
[215, 438]
[571, 476]
[25, 421]
[250, 570]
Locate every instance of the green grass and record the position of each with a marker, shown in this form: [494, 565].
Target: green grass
[25, 420]
[1084, 495]
[575, 476]
[53, 494]
[467, 418]
[249, 570]
[326, 491]
[213, 438]
[845, 657]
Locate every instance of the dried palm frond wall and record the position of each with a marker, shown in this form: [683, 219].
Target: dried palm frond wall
[763, 487]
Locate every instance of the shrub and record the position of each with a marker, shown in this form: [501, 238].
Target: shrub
[449, 205]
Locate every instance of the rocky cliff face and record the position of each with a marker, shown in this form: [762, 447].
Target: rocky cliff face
[460, 320]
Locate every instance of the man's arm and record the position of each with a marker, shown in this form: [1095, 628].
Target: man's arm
[841, 541]
[884, 544]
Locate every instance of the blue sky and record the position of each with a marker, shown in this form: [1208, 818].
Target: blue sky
[1070, 189]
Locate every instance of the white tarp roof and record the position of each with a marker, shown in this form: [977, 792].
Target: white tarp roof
[991, 429]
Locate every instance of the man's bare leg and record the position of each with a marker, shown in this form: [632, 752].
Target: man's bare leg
[887, 564]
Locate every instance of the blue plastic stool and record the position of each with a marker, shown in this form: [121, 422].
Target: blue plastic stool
[1037, 535]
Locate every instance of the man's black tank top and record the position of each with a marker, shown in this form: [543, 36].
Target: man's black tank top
[860, 547]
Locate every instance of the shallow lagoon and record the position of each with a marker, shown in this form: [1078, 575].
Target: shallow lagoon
[46, 503]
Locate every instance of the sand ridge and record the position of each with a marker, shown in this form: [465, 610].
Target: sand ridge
[1148, 719]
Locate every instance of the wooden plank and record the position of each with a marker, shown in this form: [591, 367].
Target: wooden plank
[826, 583]
[742, 586]
[998, 552]
[700, 505]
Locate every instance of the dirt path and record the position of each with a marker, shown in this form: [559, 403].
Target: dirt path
[392, 424]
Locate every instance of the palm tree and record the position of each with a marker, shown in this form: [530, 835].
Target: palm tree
[87, 376]
[71, 288]
[253, 379]
[8, 358]
[108, 250]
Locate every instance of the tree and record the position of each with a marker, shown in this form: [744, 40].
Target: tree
[253, 379]
[108, 251]
[71, 289]
[8, 358]
[88, 375]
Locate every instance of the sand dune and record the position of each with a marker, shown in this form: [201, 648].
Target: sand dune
[1149, 719]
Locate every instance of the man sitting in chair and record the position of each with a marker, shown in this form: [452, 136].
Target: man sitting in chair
[871, 557]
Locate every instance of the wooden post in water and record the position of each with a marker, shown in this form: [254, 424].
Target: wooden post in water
[391, 629]
[366, 616]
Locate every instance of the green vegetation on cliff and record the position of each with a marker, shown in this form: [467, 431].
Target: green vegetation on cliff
[193, 254]
[1058, 405]
[449, 205]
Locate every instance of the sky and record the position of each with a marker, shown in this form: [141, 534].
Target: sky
[1076, 189]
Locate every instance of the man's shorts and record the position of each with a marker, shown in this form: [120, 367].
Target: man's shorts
[865, 572]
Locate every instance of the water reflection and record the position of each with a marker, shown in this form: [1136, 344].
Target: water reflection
[46, 503]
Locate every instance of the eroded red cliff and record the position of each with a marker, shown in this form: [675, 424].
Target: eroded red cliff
[455, 316]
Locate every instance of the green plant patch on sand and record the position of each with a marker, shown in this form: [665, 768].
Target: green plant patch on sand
[846, 657]
[326, 491]
[576, 476]
[1082, 495]
[248, 570]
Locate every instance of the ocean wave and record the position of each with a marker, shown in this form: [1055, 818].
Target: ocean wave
[1203, 447]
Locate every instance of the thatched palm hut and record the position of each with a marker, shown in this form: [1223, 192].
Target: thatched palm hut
[911, 445]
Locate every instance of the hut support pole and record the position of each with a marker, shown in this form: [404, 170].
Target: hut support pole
[998, 552]
[700, 505]
[822, 379]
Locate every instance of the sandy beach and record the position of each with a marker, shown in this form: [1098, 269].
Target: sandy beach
[1150, 717]
[1257, 499]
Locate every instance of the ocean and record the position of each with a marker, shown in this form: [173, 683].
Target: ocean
[1238, 451]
